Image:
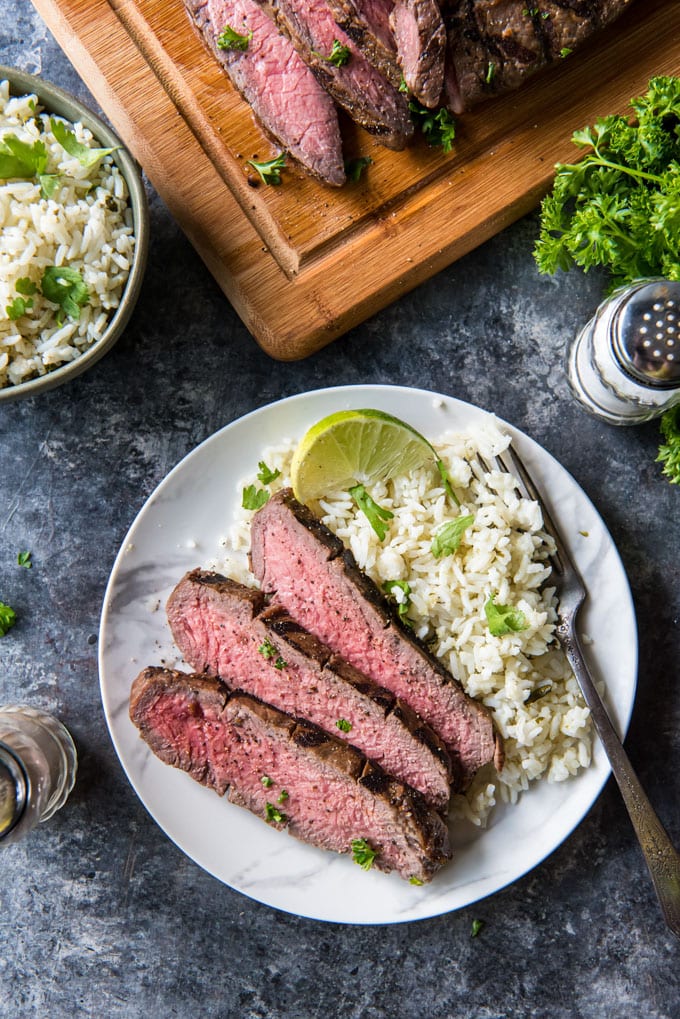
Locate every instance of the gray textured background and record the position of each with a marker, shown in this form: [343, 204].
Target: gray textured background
[100, 915]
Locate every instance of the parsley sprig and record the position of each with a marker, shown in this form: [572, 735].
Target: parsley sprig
[437, 126]
[338, 56]
[8, 618]
[363, 854]
[669, 450]
[619, 207]
[269, 171]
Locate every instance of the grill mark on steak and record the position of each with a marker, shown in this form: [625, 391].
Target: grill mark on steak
[357, 86]
[228, 741]
[221, 627]
[367, 23]
[517, 39]
[420, 36]
[284, 95]
[309, 571]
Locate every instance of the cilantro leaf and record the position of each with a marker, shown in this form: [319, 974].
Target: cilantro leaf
[49, 182]
[669, 451]
[363, 854]
[18, 307]
[20, 160]
[270, 170]
[405, 603]
[354, 168]
[448, 538]
[446, 481]
[24, 559]
[437, 126]
[8, 618]
[86, 155]
[25, 286]
[503, 619]
[254, 498]
[265, 475]
[477, 927]
[65, 287]
[230, 39]
[375, 514]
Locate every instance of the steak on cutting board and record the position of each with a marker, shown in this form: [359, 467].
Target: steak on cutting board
[367, 23]
[495, 45]
[311, 573]
[420, 37]
[357, 86]
[282, 91]
[223, 628]
[320, 789]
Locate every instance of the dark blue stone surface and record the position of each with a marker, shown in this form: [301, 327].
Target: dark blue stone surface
[100, 914]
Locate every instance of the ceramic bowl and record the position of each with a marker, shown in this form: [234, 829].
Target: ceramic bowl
[55, 100]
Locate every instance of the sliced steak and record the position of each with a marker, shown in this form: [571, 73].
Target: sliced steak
[356, 85]
[420, 36]
[367, 23]
[495, 45]
[322, 790]
[270, 75]
[223, 628]
[310, 572]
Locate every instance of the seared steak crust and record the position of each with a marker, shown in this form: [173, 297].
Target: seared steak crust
[281, 90]
[367, 23]
[357, 86]
[309, 571]
[495, 45]
[223, 628]
[420, 36]
[334, 794]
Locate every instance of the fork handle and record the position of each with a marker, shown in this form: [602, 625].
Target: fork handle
[662, 859]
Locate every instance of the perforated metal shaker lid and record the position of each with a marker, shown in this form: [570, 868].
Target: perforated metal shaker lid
[13, 791]
[645, 333]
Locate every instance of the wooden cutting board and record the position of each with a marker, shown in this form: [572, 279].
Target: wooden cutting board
[302, 263]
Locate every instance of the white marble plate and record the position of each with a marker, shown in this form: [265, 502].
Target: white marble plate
[180, 527]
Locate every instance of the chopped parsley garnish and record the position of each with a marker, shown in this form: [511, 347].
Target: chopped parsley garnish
[402, 606]
[265, 475]
[65, 287]
[87, 156]
[343, 725]
[363, 854]
[338, 56]
[354, 168]
[565, 51]
[375, 514]
[403, 87]
[504, 619]
[448, 538]
[437, 126]
[669, 451]
[267, 650]
[538, 692]
[477, 927]
[415, 880]
[254, 498]
[24, 559]
[490, 72]
[270, 170]
[282, 797]
[266, 781]
[8, 618]
[230, 39]
[272, 813]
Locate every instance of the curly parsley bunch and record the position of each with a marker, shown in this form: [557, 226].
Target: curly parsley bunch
[619, 207]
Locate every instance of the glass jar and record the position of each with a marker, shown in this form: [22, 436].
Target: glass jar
[38, 764]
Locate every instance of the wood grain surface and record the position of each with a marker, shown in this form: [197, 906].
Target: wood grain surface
[302, 263]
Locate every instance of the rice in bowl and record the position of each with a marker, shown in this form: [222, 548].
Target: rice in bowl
[70, 221]
[523, 676]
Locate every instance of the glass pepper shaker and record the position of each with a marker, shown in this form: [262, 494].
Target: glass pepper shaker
[624, 366]
[38, 764]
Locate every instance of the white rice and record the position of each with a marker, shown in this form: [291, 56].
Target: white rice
[86, 225]
[503, 553]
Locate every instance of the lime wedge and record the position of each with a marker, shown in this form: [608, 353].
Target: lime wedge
[355, 447]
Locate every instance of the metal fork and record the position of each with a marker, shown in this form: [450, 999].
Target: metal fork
[662, 859]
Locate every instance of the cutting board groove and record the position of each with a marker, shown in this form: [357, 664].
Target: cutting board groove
[302, 263]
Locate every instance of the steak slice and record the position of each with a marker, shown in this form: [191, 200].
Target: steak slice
[310, 572]
[420, 36]
[367, 23]
[357, 86]
[223, 628]
[495, 45]
[322, 790]
[282, 92]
